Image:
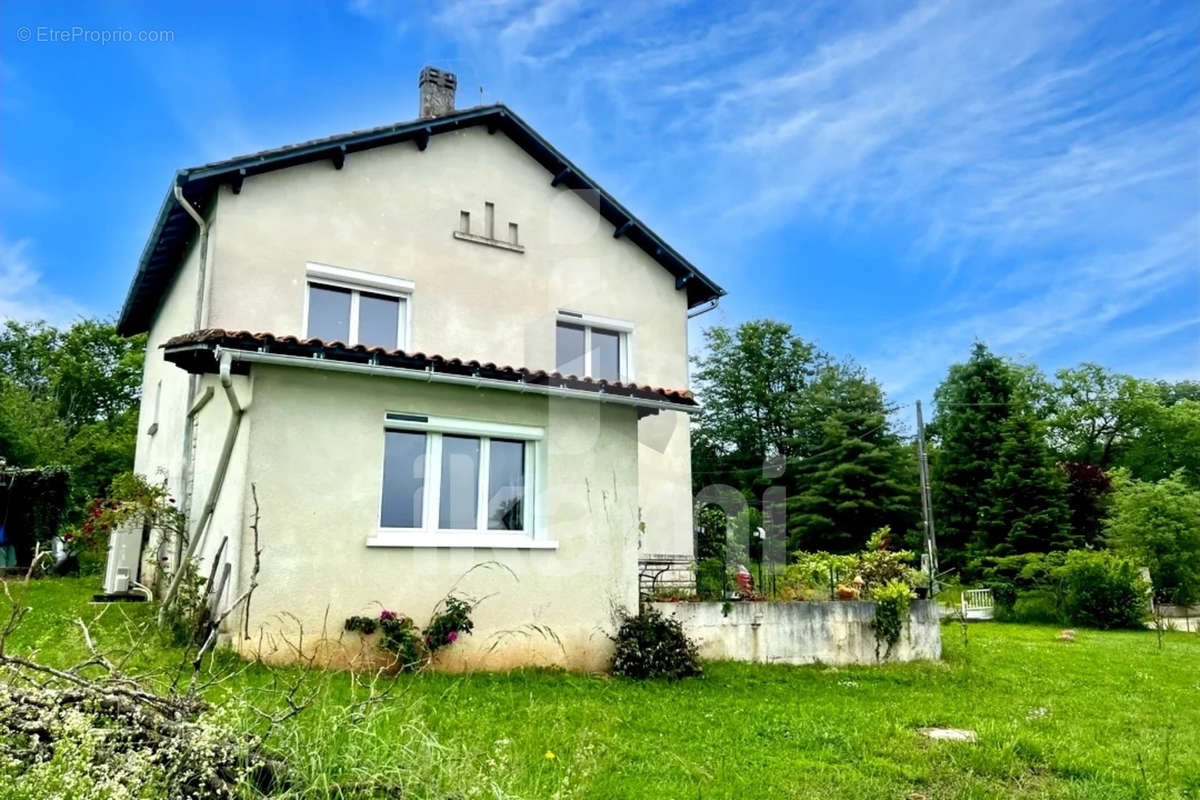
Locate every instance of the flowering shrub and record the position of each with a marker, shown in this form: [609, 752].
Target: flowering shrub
[129, 495]
[650, 645]
[401, 637]
[448, 624]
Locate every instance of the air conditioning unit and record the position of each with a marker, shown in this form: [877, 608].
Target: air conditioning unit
[124, 556]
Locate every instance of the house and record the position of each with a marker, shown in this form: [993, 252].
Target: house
[426, 347]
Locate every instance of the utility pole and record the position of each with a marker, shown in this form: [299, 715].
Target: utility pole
[926, 502]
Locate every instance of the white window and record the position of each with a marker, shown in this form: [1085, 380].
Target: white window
[354, 307]
[595, 347]
[454, 482]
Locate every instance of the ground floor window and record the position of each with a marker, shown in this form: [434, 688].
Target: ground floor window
[453, 475]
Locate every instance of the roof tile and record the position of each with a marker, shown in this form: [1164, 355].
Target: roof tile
[178, 351]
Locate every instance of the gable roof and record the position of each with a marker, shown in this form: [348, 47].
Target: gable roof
[174, 227]
[199, 352]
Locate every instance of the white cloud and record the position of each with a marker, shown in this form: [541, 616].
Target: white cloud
[1036, 161]
[23, 296]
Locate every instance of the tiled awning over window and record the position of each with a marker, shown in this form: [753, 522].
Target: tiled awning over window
[197, 353]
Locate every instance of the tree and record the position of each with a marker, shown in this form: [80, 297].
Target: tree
[1096, 412]
[31, 434]
[1167, 442]
[752, 384]
[1026, 510]
[996, 488]
[1088, 487]
[859, 479]
[1157, 523]
[971, 407]
[70, 397]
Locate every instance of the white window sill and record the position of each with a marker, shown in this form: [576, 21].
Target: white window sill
[494, 541]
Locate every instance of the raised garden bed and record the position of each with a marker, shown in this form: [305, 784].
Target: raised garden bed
[836, 633]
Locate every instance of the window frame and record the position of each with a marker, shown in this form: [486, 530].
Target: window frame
[431, 534]
[622, 328]
[357, 282]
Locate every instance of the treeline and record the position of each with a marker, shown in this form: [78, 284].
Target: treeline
[69, 398]
[1020, 462]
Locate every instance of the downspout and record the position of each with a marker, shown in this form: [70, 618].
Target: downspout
[198, 318]
[189, 428]
[214, 491]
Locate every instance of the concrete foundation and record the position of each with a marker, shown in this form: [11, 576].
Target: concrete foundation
[836, 633]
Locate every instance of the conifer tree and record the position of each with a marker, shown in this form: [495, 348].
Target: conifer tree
[1026, 496]
[972, 405]
[858, 478]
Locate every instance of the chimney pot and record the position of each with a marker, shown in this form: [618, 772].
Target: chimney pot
[437, 92]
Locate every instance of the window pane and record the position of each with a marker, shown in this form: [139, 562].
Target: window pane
[378, 320]
[570, 349]
[403, 479]
[506, 485]
[329, 313]
[460, 482]
[606, 355]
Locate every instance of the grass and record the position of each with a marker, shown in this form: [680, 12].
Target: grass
[1106, 716]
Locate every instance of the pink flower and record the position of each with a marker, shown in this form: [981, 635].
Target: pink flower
[385, 614]
[452, 637]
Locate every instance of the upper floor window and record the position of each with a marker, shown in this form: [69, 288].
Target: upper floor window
[355, 307]
[595, 347]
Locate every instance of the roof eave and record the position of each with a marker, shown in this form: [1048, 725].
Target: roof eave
[198, 355]
[198, 182]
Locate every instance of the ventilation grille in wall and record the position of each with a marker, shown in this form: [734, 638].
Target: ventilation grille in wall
[488, 233]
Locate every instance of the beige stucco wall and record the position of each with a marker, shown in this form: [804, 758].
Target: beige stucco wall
[664, 483]
[165, 400]
[315, 451]
[392, 211]
[160, 456]
[164, 386]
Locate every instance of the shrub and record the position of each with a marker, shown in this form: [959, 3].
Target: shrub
[1024, 587]
[813, 575]
[892, 602]
[1036, 606]
[446, 625]
[711, 578]
[711, 532]
[816, 575]
[1158, 525]
[1102, 590]
[879, 566]
[650, 645]
[400, 636]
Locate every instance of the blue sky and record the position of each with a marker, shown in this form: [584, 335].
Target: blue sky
[894, 180]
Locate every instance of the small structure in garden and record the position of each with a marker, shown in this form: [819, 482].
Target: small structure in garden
[860, 608]
[32, 502]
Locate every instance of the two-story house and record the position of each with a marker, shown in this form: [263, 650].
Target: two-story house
[426, 346]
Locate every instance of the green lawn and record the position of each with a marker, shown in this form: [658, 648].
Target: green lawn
[1107, 716]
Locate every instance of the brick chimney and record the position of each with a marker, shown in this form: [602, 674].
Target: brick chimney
[437, 92]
